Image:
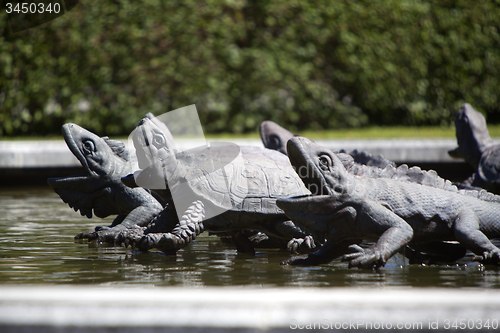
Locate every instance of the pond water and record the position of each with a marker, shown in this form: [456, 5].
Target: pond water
[37, 247]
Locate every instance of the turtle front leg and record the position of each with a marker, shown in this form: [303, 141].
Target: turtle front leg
[189, 226]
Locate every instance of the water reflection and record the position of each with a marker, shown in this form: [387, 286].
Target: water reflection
[37, 247]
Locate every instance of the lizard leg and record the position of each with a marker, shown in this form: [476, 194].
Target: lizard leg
[281, 232]
[288, 229]
[137, 218]
[300, 242]
[189, 226]
[395, 234]
[92, 234]
[467, 232]
[164, 222]
[327, 252]
[333, 227]
[302, 245]
[335, 246]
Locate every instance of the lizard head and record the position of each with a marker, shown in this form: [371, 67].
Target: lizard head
[319, 168]
[326, 178]
[99, 156]
[104, 160]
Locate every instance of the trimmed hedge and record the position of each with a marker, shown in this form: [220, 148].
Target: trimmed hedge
[304, 64]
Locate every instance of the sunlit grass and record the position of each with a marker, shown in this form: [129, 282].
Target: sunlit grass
[374, 132]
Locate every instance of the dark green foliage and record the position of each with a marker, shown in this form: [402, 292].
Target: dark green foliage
[304, 64]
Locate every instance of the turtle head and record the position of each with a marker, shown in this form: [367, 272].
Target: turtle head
[155, 155]
[152, 143]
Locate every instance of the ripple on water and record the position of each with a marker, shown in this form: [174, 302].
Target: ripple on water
[37, 247]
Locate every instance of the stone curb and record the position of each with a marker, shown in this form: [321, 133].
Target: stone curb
[55, 154]
[263, 309]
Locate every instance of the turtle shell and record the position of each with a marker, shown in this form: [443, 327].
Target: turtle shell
[251, 182]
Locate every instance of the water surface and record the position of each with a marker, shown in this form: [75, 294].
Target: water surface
[37, 247]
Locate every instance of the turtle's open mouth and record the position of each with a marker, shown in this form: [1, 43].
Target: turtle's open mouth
[299, 152]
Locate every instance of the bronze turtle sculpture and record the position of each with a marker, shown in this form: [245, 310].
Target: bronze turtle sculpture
[221, 188]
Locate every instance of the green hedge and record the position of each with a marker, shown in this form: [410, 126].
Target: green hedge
[304, 64]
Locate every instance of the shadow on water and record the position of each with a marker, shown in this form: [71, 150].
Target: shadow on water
[37, 247]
